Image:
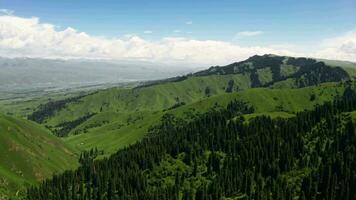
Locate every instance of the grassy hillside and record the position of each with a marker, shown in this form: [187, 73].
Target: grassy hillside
[152, 98]
[219, 155]
[110, 131]
[29, 153]
[270, 100]
[120, 131]
[22, 107]
[257, 71]
[113, 118]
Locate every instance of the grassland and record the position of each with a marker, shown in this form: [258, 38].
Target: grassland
[29, 153]
[124, 115]
[110, 130]
[271, 100]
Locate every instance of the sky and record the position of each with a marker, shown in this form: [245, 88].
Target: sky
[201, 32]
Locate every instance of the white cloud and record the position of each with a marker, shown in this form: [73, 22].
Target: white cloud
[177, 31]
[342, 47]
[28, 37]
[249, 33]
[6, 12]
[148, 32]
[188, 22]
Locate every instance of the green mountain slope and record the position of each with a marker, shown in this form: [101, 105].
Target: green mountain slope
[110, 131]
[266, 70]
[154, 98]
[116, 117]
[219, 156]
[28, 154]
[257, 71]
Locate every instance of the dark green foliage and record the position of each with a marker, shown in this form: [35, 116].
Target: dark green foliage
[87, 158]
[310, 156]
[178, 104]
[64, 128]
[312, 97]
[258, 62]
[310, 71]
[320, 73]
[266, 61]
[255, 81]
[301, 61]
[230, 86]
[47, 110]
[237, 107]
[207, 91]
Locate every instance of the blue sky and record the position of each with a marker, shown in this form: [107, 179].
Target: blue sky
[280, 21]
[301, 23]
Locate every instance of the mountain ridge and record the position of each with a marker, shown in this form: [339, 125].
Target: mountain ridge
[115, 118]
[275, 63]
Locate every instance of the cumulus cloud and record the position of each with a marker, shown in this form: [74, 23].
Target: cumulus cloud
[249, 33]
[341, 48]
[28, 37]
[188, 22]
[148, 32]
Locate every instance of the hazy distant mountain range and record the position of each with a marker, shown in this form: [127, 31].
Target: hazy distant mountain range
[23, 75]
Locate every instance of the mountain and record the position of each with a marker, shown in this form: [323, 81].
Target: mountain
[111, 130]
[122, 116]
[272, 70]
[29, 154]
[116, 120]
[220, 155]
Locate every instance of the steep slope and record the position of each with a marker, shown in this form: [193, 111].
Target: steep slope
[29, 153]
[257, 71]
[63, 116]
[308, 156]
[110, 131]
[121, 116]
[114, 118]
[267, 70]
[265, 100]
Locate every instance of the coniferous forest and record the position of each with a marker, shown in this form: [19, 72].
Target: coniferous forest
[221, 155]
[177, 100]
